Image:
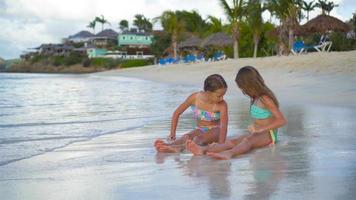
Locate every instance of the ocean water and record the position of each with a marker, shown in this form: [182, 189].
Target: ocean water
[41, 112]
[90, 137]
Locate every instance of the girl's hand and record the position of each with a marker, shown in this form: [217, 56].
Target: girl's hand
[171, 138]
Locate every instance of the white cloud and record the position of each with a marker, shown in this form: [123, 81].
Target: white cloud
[28, 23]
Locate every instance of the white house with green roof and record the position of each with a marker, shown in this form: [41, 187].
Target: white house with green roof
[134, 39]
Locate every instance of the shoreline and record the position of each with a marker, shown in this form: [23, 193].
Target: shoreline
[314, 78]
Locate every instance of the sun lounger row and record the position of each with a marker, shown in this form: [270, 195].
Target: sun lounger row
[219, 55]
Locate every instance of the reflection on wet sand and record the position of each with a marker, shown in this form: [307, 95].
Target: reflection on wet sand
[268, 169]
[215, 173]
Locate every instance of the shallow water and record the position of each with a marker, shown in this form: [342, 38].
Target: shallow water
[90, 137]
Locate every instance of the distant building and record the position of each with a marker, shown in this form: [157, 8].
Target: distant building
[54, 49]
[96, 52]
[105, 38]
[82, 36]
[133, 39]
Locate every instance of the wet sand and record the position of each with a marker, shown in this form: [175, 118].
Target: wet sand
[315, 158]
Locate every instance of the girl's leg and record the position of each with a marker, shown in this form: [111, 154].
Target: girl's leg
[208, 137]
[197, 149]
[253, 141]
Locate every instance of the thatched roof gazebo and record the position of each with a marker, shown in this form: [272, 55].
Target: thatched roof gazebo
[218, 39]
[275, 32]
[325, 23]
[192, 42]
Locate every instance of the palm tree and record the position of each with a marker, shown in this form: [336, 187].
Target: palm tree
[330, 6]
[193, 22]
[172, 25]
[299, 4]
[254, 19]
[308, 7]
[215, 24]
[234, 14]
[286, 11]
[123, 25]
[292, 22]
[142, 23]
[102, 20]
[326, 6]
[92, 25]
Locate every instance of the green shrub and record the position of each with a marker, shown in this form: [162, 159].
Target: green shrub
[37, 58]
[136, 63]
[108, 63]
[98, 62]
[112, 63]
[58, 60]
[72, 59]
[341, 42]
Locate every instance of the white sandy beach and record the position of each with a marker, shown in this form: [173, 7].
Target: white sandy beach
[320, 78]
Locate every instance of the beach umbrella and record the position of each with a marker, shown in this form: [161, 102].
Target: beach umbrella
[217, 39]
[325, 23]
[190, 43]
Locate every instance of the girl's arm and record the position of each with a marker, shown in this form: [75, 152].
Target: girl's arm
[181, 108]
[278, 118]
[223, 122]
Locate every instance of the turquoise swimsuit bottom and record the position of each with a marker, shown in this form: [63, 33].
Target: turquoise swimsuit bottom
[261, 113]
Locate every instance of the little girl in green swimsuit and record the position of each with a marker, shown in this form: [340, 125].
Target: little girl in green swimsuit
[267, 119]
[210, 113]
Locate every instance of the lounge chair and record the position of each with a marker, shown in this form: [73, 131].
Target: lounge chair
[324, 46]
[219, 55]
[190, 58]
[201, 58]
[299, 47]
[162, 61]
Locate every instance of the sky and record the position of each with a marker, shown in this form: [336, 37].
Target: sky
[26, 24]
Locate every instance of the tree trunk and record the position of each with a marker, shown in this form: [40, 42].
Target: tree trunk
[174, 45]
[290, 38]
[255, 41]
[235, 36]
[280, 42]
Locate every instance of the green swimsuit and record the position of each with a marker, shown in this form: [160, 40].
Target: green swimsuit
[261, 113]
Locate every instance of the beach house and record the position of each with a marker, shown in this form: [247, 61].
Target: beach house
[105, 38]
[82, 36]
[132, 39]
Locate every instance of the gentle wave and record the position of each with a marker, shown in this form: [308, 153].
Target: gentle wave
[69, 122]
[6, 162]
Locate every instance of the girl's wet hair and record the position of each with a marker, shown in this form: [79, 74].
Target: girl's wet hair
[252, 84]
[214, 82]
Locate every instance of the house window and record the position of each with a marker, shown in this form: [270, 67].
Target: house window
[146, 38]
[131, 38]
[123, 38]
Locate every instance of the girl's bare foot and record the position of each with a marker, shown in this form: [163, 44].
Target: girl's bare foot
[194, 148]
[169, 149]
[225, 155]
[159, 142]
